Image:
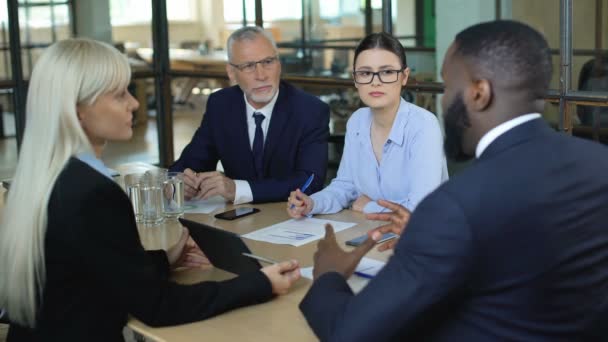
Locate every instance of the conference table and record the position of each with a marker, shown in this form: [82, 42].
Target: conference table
[276, 320]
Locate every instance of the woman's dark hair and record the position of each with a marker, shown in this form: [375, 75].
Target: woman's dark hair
[383, 41]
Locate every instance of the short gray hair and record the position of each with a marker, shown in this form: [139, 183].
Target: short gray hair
[248, 33]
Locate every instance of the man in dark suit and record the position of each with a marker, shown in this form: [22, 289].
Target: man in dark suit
[513, 248]
[269, 136]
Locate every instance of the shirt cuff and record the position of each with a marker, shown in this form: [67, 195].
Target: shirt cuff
[242, 192]
[373, 207]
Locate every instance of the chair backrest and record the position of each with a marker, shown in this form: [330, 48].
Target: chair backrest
[594, 77]
[3, 317]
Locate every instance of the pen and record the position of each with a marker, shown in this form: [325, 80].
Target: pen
[305, 186]
[364, 275]
[259, 258]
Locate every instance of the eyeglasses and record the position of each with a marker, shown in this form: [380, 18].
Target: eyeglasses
[248, 67]
[385, 76]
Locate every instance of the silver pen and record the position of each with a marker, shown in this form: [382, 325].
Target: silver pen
[259, 258]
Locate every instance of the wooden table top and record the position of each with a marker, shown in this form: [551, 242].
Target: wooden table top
[277, 320]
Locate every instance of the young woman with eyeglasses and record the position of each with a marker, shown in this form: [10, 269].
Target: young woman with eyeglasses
[393, 149]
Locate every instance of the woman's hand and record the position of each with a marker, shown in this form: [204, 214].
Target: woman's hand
[186, 253]
[282, 275]
[299, 204]
[360, 203]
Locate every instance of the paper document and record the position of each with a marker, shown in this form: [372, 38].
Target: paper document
[296, 232]
[366, 265]
[204, 206]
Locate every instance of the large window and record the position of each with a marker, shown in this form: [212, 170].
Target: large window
[132, 12]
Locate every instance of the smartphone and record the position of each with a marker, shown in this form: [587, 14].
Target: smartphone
[236, 213]
[6, 184]
[360, 239]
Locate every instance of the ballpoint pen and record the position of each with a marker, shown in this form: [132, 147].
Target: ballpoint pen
[305, 186]
[364, 275]
[259, 258]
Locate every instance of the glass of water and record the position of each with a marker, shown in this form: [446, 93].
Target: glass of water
[133, 184]
[151, 196]
[173, 194]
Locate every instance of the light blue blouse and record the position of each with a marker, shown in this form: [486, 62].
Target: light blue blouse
[412, 165]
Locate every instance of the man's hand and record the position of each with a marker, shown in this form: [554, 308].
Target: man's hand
[360, 203]
[215, 183]
[330, 257]
[191, 184]
[398, 218]
[186, 253]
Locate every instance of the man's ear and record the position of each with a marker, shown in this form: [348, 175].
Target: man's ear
[479, 95]
[230, 72]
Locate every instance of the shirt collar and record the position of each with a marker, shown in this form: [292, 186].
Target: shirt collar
[396, 134]
[266, 110]
[95, 163]
[501, 129]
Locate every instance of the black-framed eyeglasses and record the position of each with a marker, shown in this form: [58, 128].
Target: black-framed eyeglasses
[266, 63]
[385, 76]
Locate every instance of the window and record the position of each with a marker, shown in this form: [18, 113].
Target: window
[273, 10]
[130, 12]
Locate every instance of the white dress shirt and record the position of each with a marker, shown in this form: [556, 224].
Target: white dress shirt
[242, 192]
[501, 129]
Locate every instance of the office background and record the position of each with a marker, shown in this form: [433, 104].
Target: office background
[177, 52]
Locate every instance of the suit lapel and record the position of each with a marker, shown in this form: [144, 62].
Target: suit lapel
[280, 116]
[517, 135]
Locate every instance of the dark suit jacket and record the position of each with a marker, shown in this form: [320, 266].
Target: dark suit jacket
[295, 145]
[97, 271]
[513, 248]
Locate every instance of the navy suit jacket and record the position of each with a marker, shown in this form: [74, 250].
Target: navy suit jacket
[513, 248]
[294, 147]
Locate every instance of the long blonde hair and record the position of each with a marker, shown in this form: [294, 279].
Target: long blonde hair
[69, 73]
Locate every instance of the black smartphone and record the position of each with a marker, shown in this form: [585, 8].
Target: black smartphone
[236, 213]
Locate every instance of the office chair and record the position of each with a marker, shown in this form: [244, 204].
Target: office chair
[594, 77]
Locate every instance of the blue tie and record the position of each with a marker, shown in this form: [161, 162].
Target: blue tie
[258, 144]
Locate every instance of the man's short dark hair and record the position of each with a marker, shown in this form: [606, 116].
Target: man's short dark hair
[511, 54]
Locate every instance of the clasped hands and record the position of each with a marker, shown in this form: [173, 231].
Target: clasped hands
[331, 258]
[203, 185]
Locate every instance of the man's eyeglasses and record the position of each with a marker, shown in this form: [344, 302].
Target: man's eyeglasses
[266, 63]
[385, 76]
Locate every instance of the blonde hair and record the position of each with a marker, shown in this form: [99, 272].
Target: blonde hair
[69, 73]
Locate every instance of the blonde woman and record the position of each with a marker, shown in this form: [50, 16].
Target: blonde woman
[71, 264]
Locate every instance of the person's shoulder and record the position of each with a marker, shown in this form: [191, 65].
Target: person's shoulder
[358, 118]
[228, 94]
[583, 149]
[419, 116]
[300, 98]
[79, 179]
